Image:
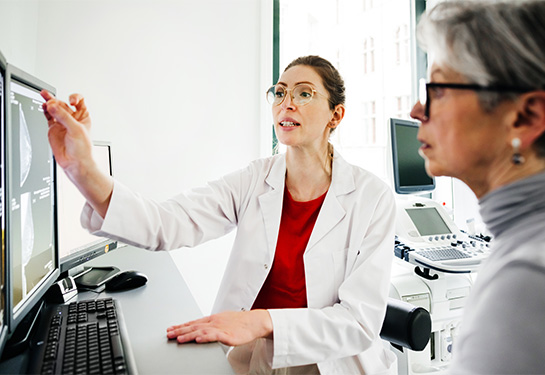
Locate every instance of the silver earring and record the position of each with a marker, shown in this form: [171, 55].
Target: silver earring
[517, 158]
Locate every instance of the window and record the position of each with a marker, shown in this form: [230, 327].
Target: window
[370, 43]
[370, 122]
[402, 42]
[403, 106]
[368, 55]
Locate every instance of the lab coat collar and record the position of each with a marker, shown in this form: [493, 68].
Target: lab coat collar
[331, 213]
[271, 202]
[342, 181]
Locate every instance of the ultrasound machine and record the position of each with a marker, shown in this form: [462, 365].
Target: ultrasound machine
[44, 326]
[435, 262]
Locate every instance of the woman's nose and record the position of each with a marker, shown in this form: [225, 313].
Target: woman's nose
[288, 102]
[419, 112]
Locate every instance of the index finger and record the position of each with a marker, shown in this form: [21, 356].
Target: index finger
[46, 95]
[62, 115]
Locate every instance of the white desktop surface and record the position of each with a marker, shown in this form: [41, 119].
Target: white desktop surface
[165, 300]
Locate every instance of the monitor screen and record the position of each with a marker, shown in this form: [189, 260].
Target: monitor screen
[410, 174]
[3, 322]
[77, 245]
[428, 221]
[30, 196]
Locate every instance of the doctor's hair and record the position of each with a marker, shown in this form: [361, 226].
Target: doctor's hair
[489, 43]
[331, 78]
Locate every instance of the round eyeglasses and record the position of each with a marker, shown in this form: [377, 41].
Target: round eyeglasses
[301, 94]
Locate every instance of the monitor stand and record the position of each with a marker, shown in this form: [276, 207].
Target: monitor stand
[19, 340]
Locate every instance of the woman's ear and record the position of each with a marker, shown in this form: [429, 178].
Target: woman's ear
[337, 116]
[530, 122]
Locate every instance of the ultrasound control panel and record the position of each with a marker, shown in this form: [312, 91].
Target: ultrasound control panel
[426, 236]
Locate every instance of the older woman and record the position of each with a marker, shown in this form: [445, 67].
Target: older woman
[306, 286]
[483, 121]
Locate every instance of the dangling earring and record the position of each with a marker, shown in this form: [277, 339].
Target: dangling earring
[517, 158]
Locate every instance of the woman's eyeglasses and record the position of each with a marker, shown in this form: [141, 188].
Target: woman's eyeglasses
[301, 94]
[425, 88]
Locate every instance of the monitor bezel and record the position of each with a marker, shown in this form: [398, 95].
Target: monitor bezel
[14, 318]
[404, 189]
[4, 328]
[69, 264]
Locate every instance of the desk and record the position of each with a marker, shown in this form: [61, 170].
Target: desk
[164, 301]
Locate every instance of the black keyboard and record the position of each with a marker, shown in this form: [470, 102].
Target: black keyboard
[83, 337]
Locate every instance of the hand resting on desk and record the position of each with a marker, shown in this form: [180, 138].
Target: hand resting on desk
[231, 328]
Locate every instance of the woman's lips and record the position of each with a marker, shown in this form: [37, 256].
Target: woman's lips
[423, 148]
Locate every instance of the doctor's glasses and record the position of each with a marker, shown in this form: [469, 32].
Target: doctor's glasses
[301, 94]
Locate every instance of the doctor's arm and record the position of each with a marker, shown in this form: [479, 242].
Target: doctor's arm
[69, 137]
[344, 329]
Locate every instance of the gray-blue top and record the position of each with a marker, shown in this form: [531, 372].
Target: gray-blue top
[503, 329]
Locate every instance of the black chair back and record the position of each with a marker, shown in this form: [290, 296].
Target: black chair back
[406, 325]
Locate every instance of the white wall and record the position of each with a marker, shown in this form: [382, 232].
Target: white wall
[176, 86]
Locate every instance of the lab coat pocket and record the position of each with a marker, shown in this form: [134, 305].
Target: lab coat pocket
[351, 258]
[321, 275]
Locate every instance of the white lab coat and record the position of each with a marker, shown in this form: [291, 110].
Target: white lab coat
[347, 260]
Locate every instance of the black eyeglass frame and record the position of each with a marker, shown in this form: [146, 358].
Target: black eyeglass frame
[465, 86]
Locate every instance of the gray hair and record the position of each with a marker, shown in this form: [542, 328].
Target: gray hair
[489, 43]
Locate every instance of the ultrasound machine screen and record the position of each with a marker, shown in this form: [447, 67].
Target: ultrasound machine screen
[428, 221]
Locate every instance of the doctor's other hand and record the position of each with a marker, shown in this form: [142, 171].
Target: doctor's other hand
[230, 328]
[69, 132]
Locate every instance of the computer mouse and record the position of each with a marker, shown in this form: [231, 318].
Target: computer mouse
[126, 280]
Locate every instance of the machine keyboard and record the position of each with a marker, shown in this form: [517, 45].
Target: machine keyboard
[443, 254]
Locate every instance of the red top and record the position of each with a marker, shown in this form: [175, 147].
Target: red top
[285, 285]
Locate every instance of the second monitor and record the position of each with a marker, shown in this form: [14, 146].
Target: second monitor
[77, 245]
[409, 170]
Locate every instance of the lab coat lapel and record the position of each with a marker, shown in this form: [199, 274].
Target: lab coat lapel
[342, 182]
[271, 202]
[330, 214]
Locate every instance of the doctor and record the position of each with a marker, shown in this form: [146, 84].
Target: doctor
[305, 289]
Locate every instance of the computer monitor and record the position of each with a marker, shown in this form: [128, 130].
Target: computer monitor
[31, 230]
[76, 244]
[3, 320]
[409, 172]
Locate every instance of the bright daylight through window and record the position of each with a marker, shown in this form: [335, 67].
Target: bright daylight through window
[370, 43]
